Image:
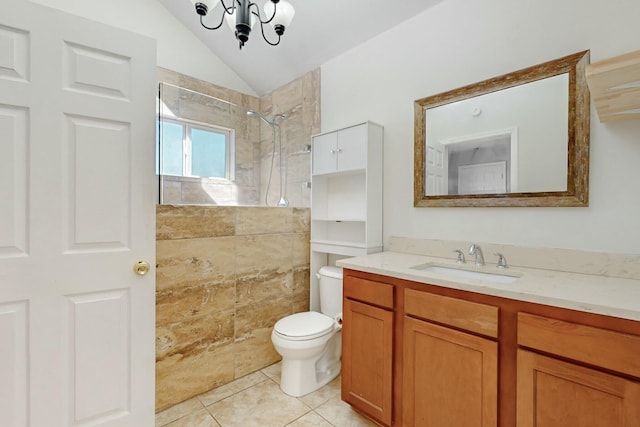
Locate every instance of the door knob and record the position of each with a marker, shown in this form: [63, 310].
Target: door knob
[141, 268]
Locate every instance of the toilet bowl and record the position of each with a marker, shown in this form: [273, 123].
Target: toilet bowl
[310, 343]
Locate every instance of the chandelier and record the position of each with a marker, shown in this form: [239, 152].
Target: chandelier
[243, 14]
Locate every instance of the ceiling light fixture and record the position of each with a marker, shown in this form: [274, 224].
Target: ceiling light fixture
[242, 15]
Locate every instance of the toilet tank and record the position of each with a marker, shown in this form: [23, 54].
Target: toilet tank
[330, 286]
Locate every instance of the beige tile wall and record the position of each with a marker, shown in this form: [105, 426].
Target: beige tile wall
[189, 99]
[204, 102]
[299, 100]
[224, 276]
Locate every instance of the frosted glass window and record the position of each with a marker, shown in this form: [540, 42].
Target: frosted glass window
[208, 153]
[172, 135]
[185, 149]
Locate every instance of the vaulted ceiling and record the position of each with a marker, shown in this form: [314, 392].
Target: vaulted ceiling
[320, 31]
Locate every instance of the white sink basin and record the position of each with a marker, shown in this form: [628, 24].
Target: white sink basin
[466, 274]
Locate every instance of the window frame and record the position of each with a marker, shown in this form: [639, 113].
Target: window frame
[187, 154]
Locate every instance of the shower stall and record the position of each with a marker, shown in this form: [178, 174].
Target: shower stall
[215, 152]
[242, 247]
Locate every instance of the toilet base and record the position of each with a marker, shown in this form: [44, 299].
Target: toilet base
[296, 385]
[303, 376]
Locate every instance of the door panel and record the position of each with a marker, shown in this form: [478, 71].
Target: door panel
[367, 345]
[13, 176]
[437, 176]
[14, 54]
[554, 393]
[352, 148]
[13, 363]
[96, 72]
[324, 153]
[450, 377]
[104, 351]
[76, 323]
[97, 195]
[484, 178]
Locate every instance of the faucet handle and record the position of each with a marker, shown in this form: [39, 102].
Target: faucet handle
[502, 261]
[460, 259]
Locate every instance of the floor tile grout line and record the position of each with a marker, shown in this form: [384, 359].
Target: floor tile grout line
[213, 416]
[304, 415]
[202, 404]
[312, 405]
[232, 394]
[320, 415]
[254, 385]
[182, 415]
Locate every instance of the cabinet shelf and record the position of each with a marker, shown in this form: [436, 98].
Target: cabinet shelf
[615, 87]
[346, 196]
[350, 232]
[339, 195]
[333, 247]
[339, 243]
[339, 173]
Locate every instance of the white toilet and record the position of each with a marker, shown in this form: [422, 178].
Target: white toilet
[310, 343]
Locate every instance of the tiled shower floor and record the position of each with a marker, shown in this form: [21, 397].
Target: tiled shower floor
[257, 401]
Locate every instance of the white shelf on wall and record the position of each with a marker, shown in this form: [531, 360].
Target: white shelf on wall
[614, 84]
[341, 232]
[346, 196]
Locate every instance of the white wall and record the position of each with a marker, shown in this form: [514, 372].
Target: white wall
[459, 42]
[177, 48]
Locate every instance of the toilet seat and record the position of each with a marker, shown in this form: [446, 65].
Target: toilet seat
[304, 326]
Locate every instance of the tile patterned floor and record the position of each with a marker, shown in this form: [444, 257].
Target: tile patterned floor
[257, 401]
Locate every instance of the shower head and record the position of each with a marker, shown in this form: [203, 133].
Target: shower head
[272, 122]
[254, 113]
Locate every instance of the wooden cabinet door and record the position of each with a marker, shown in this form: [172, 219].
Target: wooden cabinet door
[367, 345]
[450, 377]
[554, 393]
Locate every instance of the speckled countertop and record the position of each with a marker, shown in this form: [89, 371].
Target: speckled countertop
[610, 296]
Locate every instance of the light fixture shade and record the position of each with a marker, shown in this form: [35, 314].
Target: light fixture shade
[231, 20]
[284, 12]
[209, 3]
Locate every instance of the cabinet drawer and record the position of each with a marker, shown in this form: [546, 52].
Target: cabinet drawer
[377, 293]
[599, 347]
[471, 316]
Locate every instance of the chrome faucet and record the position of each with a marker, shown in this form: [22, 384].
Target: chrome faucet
[502, 261]
[460, 259]
[475, 249]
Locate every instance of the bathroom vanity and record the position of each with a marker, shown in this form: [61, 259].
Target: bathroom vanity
[430, 349]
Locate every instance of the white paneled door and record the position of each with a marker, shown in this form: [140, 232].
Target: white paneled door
[77, 211]
[437, 169]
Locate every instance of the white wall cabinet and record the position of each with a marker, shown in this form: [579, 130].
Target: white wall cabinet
[346, 196]
[340, 151]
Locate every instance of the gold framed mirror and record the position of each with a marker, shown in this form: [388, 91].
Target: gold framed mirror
[520, 139]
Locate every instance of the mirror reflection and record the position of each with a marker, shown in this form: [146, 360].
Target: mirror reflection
[495, 142]
[521, 139]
